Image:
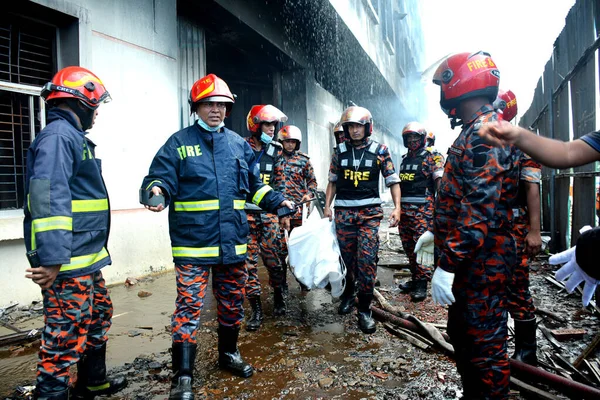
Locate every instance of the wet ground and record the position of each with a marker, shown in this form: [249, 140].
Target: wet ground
[310, 353]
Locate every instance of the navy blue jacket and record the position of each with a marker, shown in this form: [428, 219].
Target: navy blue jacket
[67, 212]
[206, 180]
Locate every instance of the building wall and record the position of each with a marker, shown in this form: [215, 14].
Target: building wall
[138, 63]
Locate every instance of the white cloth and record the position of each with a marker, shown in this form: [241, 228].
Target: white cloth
[573, 272]
[441, 287]
[424, 249]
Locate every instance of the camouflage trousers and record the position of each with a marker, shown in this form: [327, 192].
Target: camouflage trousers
[416, 219]
[357, 231]
[228, 282]
[264, 239]
[520, 302]
[477, 320]
[77, 315]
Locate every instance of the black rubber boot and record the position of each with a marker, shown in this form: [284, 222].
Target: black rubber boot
[347, 298]
[406, 287]
[62, 395]
[229, 355]
[257, 314]
[183, 356]
[91, 376]
[279, 307]
[366, 323]
[419, 292]
[525, 341]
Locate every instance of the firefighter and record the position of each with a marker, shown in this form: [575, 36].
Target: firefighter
[420, 174]
[294, 177]
[529, 242]
[473, 228]
[580, 261]
[264, 238]
[67, 219]
[338, 133]
[205, 173]
[354, 181]
[431, 146]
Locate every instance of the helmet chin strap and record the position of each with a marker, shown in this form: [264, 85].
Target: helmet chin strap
[83, 112]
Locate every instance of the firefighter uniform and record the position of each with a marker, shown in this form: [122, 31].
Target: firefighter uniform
[473, 229]
[358, 210]
[520, 303]
[418, 173]
[207, 177]
[265, 237]
[67, 221]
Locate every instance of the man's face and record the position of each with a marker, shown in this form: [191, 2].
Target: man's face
[289, 145]
[94, 118]
[414, 141]
[268, 128]
[211, 113]
[356, 131]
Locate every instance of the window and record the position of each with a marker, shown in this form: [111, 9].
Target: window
[27, 61]
[372, 7]
[387, 27]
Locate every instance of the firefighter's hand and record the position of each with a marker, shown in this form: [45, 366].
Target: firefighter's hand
[43, 276]
[395, 218]
[499, 133]
[284, 223]
[327, 213]
[533, 243]
[156, 191]
[573, 273]
[441, 287]
[306, 197]
[424, 249]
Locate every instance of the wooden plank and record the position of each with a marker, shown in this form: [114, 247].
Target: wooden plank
[590, 349]
[408, 337]
[594, 370]
[550, 338]
[563, 334]
[569, 367]
[526, 388]
[15, 338]
[550, 314]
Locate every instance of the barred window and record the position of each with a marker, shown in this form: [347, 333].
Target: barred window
[27, 61]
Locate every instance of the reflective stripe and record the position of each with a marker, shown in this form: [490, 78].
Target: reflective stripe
[90, 205]
[373, 201]
[49, 224]
[260, 193]
[52, 223]
[204, 205]
[238, 204]
[99, 387]
[84, 261]
[150, 184]
[241, 249]
[413, 200]
[195, 252]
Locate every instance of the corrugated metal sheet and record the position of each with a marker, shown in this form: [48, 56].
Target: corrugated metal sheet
[192, 63]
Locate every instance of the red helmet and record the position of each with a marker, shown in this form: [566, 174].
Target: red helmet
[414, 128]
[358, 115]
[263, 113]
[76, 83]
[466, 75]
[290, 132]
[211, 88]
[507, 103]
[430, 138]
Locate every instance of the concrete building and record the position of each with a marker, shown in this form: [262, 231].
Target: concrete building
[311, 58]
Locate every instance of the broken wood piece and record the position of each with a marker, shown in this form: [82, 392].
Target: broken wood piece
[526, 388]
[10, 326]
[550, 338]
[576, 373]
[550, 314]
[554, 281]
[15, 338]
[402, 274]
[567, 334]
[408, 337]
[590, 349]
[387, 306]
[594, 370]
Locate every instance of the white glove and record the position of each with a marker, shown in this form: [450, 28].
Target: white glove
[574, 273]
[424, 249]
[441, 287]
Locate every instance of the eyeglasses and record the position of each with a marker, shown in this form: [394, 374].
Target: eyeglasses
[211, 105]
